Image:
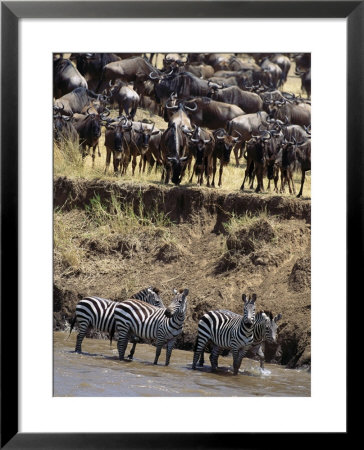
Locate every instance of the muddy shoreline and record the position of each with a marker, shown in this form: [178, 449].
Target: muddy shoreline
[270, 257]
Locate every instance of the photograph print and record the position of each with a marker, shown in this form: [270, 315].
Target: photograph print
[181, 224]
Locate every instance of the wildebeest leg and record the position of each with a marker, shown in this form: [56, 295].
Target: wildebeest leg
[108, 157]
[302, 181]
[93, 155]
[133, 164]
[193, 172]
[259, 174]
[220, 172]
[236, 154]
[98, 150]
[167, 174]
[213, 171]
[276, 177]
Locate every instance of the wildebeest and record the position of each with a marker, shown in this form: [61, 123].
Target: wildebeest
[136, 69]
[117, 135]
[284, 63]
[183, 85]
[63, 129]
[305, 81]
[295, 156]
[66, 77]
[76, 101]
[125, 97]
[90, 65]
[236, 64]
[224, 143]
[255, 155]
[174, 143]
[247, 101]
[147, 139]
[246, 125]
[274, 72]
[89, 132]
[209, 113]
[201, 145]
[283, 110]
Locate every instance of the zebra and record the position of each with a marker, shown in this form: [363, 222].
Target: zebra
[99, 313]
[148, 322]
[227, 330]
[265, 330]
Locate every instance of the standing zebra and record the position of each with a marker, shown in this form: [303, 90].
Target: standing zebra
[227, 330]
[99, 313]
[148, 322]
[265, 330]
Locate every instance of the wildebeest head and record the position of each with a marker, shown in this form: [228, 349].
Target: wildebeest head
[143, 135]
[225, 143]
[61, 125]
[197, 143]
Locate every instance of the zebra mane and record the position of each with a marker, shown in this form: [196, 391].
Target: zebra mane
[154, 289]
[266, 312]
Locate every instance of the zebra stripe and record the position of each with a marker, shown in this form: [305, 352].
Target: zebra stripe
[227, 330]
[148, 322]
[98, 313]
[265, 330]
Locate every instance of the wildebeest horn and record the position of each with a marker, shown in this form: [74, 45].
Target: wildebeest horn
[105, 114]
[307, 129]
[207, 141]
[171, 107]
[186, 130]
[183, 158]
[171, 158]
[191, 109]
[153, 78]
[195, 140]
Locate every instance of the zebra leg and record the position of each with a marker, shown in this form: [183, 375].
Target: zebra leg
[170, 345]
[238, 357]
[199, 348]
[201, 360]
[122, 342]
[132, 351]
[157, 353]
[214, 356]
[80, 337]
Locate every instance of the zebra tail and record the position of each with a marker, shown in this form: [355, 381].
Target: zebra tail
[72, 325]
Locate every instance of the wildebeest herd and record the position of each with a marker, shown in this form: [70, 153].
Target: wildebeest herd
[212, 104]
[144, 316]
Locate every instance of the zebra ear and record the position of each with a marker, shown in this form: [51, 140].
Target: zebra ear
[175, 291]
[244, 298]
[185, 292]
[277, 317]
[254, 297]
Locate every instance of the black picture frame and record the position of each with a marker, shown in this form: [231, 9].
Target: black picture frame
[11, 13]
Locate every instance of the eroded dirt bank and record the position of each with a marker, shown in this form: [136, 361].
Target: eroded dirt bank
[205, 247]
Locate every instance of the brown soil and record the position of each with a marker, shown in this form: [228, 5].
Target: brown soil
[269, 256]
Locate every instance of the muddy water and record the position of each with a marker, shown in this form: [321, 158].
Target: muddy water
[98, 372]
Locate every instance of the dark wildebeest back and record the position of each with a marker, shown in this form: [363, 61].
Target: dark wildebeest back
[66, 77]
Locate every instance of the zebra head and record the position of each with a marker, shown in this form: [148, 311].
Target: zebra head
[178, 304]
[271, 329]
[154, 298]
[249, 310]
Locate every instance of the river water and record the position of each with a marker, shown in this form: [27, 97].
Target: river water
[98, 372]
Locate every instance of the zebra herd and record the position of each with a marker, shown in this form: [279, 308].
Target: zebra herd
[144, 316]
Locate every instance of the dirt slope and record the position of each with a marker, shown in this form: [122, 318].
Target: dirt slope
[267, 254]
